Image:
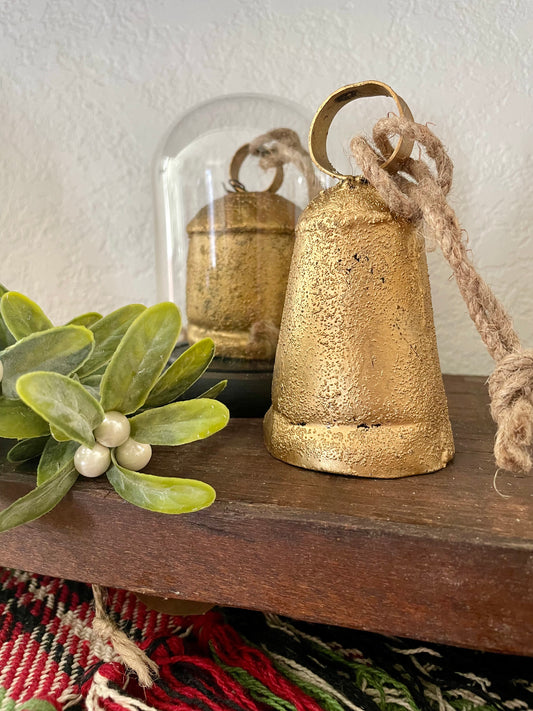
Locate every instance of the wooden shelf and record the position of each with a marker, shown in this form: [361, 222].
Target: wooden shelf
[442, 557]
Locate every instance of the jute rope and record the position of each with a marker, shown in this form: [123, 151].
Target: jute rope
[131, 656]
[280, 147]
[420, 194]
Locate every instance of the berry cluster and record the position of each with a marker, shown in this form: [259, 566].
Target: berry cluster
[112, 433]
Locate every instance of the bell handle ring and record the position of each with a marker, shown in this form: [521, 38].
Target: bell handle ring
[235, 166]
[330, 108]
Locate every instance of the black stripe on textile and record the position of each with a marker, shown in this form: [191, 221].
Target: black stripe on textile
[90, 672]
[503, 672]
[447, 670]
[201, 679]
[191, 675]
[193, 702]
[22, 615]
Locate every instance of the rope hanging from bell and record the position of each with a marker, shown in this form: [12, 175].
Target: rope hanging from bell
[417, 193]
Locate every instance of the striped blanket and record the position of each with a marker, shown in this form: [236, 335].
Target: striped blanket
[230, 660]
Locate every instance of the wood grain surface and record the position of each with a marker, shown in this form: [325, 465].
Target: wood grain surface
[441, 557]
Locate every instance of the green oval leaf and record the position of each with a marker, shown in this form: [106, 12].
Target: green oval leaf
[60, 350]
[87, 320]
[6, 337]
[39, 501]
[37, 705]
[22, 315]
[27, 449]
[214, 391]
[140, 358]
[92, 383]
[185, 371]
[58, 435]
[18, 421]
[108, 332]
[62, 402]
[56, 458]
[179, 422]
[169, 495]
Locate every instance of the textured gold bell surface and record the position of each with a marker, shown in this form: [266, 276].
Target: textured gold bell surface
[357, 384]
[240, 249]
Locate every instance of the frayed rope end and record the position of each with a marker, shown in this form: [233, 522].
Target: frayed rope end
[511, 394]
[131, 656]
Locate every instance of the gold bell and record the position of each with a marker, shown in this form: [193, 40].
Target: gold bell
[357, 386]
[240, 249]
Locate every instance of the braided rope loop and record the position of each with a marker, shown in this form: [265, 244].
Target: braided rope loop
[282, 146]
[418, 193]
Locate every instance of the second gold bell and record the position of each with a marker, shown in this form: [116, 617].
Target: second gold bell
[240, 249]
[357, 387]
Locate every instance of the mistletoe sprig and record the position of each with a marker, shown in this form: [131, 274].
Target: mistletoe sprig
[93, 396]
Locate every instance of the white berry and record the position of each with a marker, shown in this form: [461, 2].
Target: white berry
[133, 455]
[1, 371]
[93, 461]
[114, 429]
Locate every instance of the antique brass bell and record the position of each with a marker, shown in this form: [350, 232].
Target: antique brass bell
[240, 249]
[357, 386]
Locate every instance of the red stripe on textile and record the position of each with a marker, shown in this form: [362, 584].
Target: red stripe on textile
[226, 683]
[20, 592]
[221, 680]
[47, 610]
[7, 623]
[50, 679]
[12, 655]
[151, 624]
[37, 609]
[33, 677]
[232, 651]
[22, 663]
[111, 705]
[126, 605]
[61, 632]
[8, 642]
[6, 576]
[54, 625]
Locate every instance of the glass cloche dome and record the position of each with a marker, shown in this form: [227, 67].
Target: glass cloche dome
[231, 178]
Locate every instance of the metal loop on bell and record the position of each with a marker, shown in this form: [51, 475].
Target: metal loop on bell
[235, 166]
[330, 108]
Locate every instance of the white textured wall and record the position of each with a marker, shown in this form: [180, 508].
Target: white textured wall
[87, 88]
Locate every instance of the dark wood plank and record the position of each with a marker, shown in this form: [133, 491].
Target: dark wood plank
[441, 557]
